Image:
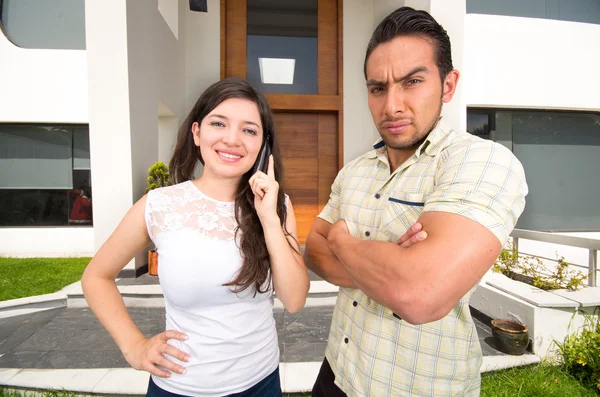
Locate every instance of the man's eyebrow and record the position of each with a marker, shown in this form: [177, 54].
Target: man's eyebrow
[419, 69]
[220, 116]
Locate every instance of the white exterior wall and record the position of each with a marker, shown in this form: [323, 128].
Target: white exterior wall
[147, 73]
[518, 62]
[47, 242]
[359, 130]
[202, 51]
[43, 86]
[536, 64]
[167, 134]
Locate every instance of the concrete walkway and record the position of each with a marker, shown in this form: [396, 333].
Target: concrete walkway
[65, 347]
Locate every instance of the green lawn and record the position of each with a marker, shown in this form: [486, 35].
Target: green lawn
[5, 393]
[534, 381]
[21, 277]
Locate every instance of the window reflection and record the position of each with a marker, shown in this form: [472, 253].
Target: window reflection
[282, 46]
[560, 152]
[46, 177]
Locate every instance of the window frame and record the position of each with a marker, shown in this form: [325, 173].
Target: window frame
[492, 113]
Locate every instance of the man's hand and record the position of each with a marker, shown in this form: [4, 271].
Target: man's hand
[413, 235]
[338, 231]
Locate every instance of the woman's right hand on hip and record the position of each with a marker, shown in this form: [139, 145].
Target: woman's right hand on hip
[148, 354]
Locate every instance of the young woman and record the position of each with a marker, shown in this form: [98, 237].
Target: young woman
[226, 241]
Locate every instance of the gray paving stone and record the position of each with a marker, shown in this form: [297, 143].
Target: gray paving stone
[77, 313]
[488, 347]
[313, 277]
[23, 359]
[31, 323]
[68, 340]
[304, 351]
[311, 324]
[9, 326]
[75, 323]
[279, 314]
[144, 279]
[83, 359]
[74, 338]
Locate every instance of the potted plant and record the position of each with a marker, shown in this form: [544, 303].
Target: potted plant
[511, 337]
[158, 176]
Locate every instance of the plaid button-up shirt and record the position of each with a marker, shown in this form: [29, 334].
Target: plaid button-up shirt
[373, 352]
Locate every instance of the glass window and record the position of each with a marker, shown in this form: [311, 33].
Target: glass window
[45, 178]
[51, 24]
[586, 11]
[560, 152]
[281, 51]
[479, 123]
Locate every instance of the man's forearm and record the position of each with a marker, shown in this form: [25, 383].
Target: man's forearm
[324, 263]
[379, 278]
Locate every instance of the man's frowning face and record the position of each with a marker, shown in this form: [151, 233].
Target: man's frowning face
[405, 90]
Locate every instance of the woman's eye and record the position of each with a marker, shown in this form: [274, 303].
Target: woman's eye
[217, 124]
[250, 131]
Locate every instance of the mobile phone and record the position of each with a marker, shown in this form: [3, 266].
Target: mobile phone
[262, 161]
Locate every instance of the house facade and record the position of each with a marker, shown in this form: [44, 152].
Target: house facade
[92, 94]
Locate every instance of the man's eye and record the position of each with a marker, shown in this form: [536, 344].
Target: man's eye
[376, 90]
[413, 81]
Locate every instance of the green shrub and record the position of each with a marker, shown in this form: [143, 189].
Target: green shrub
[580, 352]
[158, 176]
[515, 266]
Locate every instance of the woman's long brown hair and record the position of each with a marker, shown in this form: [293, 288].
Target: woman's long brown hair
[255, 269]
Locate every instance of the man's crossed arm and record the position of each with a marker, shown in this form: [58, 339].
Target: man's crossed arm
[421, 278]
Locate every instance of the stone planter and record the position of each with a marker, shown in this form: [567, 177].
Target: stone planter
[548, 315]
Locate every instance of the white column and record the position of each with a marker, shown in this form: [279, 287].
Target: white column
[359, 130]
[123, 107]
[451, 15]
[202, 51]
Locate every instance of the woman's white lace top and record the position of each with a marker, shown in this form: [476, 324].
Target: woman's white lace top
[232, 338]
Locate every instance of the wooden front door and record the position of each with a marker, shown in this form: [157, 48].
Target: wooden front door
[308, 123]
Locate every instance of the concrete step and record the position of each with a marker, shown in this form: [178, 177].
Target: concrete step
[148, 293]
[32, 304]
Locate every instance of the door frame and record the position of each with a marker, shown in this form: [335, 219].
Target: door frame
[329, 54]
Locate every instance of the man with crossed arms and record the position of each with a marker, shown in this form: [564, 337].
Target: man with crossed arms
[401, 325]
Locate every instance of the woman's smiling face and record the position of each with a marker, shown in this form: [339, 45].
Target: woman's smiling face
[229, 137]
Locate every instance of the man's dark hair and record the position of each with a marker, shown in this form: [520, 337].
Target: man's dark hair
[407, 21]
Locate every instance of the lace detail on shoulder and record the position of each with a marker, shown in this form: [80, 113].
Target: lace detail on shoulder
[183, 206]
